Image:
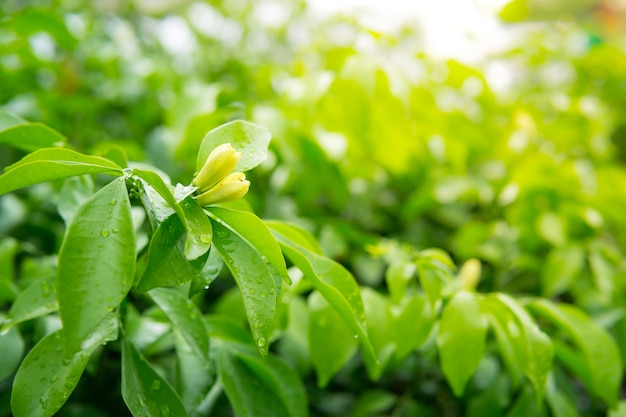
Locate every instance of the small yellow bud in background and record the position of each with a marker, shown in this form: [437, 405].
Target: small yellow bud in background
[221, 161]
[232, 187]
[469, 274]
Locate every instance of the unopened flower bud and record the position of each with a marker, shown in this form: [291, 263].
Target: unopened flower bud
[221, 161]
[232, 187]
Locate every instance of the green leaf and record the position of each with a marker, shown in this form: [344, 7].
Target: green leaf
[251, 258]
[193, 379]
[331, 341]
[249, 139]
[561, 268]
[75, 191]
[620, 411]
[211, 270]
[47, 376]
[601, 355]
[31, 136]
[509, 337]
[193, 219]
[8, 120]
[144, 391]
[537, 360]
[461, 339]
[434, 269]
[414, 321]
[380, 329]
[38, 299]
[260, 387]
[11, 351]
[167, 265]
[186, 318]
[296, 235]
[335, 284]
[51, 164]
[96, 262]
[199, 230]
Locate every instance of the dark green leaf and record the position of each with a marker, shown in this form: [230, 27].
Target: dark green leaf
[144, 391]
[96, 262]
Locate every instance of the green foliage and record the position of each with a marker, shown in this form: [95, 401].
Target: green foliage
[387, 168]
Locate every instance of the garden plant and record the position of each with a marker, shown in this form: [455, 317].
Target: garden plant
[260, 220]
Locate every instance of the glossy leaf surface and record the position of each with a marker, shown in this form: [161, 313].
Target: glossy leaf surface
[144, 391]
[96, 262]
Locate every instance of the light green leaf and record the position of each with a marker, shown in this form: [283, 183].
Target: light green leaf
[461, 339]
[414, 321]
[38, 299]
[537, 360]
[249, 139]
[8, 120]
[620, 411]
[434, 269]
[186, 318]
[51, 164]
[254, 274]
[331, 341]
[144, 391]
[31, 136]
[199, 230]
[11, 351]
[380, 329]
[193, 219]
[96, 262]
[296, 235]
[167, 265]
[193, 379]
[254, 230]
[335, 284]
[47, 376]
[74, 192]
[509, 337]
[561, 268]
[601, 355]
[211, 270]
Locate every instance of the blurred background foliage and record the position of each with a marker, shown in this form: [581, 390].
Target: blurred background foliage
[516, 159]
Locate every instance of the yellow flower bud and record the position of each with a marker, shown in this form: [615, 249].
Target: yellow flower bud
[232, 187]
[470, 274]
[221, 161]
